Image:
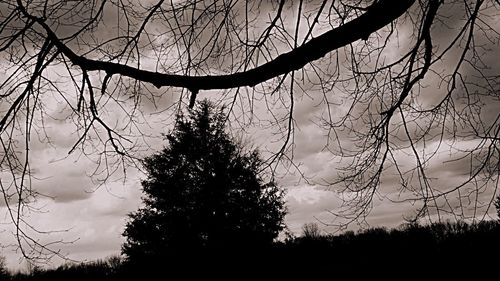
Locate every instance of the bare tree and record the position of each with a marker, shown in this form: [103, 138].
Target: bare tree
[311, 231]
[399, 82]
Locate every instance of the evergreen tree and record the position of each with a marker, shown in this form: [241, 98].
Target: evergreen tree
[203, 191]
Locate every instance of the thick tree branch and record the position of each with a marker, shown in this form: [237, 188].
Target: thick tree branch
[377, 16]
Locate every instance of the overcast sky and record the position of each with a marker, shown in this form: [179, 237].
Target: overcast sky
[90, 217]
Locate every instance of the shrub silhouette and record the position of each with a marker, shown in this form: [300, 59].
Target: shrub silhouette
[203, 191]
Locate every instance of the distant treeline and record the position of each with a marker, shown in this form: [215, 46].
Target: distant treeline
[457, 247]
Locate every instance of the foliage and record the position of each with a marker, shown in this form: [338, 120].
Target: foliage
[203, 191]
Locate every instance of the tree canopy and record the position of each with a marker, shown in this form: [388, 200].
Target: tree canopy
[399, 89]
[203, 191]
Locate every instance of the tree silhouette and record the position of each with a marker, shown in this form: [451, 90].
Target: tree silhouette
[311, 231]
[203, 191]
[396, 85]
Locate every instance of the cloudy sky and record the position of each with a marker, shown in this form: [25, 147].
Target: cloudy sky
[87, 215]
[90, 217]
